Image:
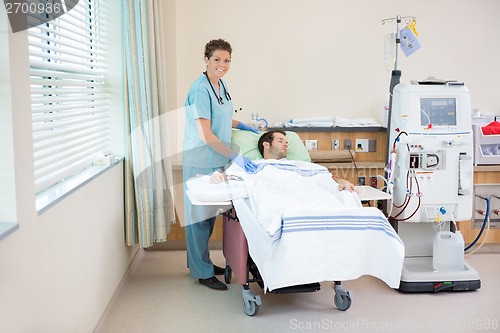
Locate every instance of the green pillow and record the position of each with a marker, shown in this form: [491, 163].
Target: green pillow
[246, 143]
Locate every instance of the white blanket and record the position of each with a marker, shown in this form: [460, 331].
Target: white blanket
[286, 188]
[301, 229]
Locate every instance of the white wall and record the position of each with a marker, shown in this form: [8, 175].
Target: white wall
[59, 270]
[296, 58]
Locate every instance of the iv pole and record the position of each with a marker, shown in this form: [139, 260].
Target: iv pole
[395, 78]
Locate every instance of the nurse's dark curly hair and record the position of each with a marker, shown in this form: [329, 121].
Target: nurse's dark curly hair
[217, 44]
[268, 137]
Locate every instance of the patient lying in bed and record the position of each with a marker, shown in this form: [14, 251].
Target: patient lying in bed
[274, 145]
[303, 227]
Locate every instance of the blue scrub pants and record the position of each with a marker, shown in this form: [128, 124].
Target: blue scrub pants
[197, 236]
[199, 222]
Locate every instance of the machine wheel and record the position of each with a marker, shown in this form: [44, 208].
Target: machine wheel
[250, 307]
[228, 274]
[342, 300]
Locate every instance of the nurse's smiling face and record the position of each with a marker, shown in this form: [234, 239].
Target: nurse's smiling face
[218, 64]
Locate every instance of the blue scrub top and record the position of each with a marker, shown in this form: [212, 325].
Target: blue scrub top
[202, 103]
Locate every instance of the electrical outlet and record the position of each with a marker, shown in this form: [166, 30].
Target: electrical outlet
[361, 146]
[361, 180]
[311, 144]
[373, 182]
[347, 144]
[372, 145]
[335, 144]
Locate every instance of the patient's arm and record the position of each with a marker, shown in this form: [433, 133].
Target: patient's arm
[344, 184]
[218, 177]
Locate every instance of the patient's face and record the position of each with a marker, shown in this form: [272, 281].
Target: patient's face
[278, 147]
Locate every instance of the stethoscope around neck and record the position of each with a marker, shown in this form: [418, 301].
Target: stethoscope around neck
[219, 98]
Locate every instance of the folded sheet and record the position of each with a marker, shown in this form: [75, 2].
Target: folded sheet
[311, 124]
[359, 122]
[310, 120]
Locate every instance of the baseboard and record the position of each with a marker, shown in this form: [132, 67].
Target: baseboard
[486, 248]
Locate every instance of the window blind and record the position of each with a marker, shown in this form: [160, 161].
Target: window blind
[69, 98]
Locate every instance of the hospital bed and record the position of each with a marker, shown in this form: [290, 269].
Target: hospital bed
[297, 252]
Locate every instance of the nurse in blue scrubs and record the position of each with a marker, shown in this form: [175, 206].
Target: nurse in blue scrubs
[207, 139]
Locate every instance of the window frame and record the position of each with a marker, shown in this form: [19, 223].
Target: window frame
[70, 101]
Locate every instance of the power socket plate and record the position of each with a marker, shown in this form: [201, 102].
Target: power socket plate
[361, 146]
[311, 144]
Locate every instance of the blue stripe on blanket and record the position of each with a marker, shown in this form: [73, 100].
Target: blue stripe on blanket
[333, 223]
[292, 167]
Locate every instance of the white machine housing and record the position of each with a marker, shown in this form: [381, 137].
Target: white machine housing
[431, 153]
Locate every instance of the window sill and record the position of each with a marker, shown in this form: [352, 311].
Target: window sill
[54, 194]
[7, 228]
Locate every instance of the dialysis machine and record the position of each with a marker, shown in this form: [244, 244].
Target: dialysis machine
[430, 176]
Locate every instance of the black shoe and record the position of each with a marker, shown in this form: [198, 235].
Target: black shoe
[219, 270]
[213, 283]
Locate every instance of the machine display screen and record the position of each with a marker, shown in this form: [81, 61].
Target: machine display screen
[438, 111]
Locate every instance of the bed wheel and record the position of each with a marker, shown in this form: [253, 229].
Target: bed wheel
[342, 301]
[228, 274]
[250, 307]
[251, 302]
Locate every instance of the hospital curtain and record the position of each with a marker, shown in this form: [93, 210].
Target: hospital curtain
[148, 174]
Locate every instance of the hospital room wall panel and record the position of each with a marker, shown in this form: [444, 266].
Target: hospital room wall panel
[325, 142]
[177, 237]
[487, 177]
